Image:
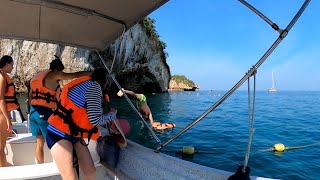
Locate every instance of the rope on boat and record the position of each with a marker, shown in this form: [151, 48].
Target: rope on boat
[128, 100]
[235, 87]
[253, 72]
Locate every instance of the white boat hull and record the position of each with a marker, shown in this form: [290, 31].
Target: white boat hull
[135, 162]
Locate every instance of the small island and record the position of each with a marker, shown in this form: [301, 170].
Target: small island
[181, 83]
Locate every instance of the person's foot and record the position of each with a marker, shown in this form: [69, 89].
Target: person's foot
[120, 93]
[156, 124]
[159, 126]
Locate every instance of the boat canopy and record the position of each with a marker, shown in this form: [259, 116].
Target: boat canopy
[92, 24]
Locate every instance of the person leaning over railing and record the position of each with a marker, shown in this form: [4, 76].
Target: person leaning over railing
[43, 96]
[78, 115]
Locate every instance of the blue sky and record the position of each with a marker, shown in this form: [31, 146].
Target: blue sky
[214, 43]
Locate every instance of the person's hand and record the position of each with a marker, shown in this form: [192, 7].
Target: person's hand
[9, 127]
[113, 110]
[120, 93]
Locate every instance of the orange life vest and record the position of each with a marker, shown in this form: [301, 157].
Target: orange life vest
[10, 95]
[41, 95]
[71, 119]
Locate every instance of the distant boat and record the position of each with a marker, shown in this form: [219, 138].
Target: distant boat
[273, 87]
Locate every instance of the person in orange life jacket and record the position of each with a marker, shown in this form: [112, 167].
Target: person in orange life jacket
[144, 109]
[8, 102]
[78, 115]
[43, 94]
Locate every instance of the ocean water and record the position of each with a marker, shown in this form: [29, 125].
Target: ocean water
[290, 118]
[287, 117]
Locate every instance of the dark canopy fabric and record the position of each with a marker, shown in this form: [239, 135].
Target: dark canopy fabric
[92, 24]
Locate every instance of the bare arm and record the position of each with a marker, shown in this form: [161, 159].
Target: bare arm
[66, 76]
[130, 93]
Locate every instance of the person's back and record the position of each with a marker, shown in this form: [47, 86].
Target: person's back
[43, 98]
[78, 116]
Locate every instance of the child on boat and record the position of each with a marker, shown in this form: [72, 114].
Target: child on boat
[144, 109]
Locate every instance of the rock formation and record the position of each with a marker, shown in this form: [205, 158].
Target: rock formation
[180, 82]
[140, 66]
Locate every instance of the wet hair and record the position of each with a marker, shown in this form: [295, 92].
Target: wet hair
[100, 75]
[56, 64]
[4, 60]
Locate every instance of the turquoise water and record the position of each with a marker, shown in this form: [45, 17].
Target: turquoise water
[290, 118]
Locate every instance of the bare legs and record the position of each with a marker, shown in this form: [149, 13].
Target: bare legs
[62, 154]
[39, 149]
[3, 138]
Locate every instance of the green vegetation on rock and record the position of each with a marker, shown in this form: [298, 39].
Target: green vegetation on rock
[183, 79]
[148, 23]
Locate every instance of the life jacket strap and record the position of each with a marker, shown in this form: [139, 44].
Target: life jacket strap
[45, 96]
[65, 114]
[10, 84]
[11, 99]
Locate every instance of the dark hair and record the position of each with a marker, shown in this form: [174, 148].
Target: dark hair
[100, 75]
[4, 60]
[56, 64]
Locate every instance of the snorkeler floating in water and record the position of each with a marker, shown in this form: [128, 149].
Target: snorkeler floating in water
[145, 110]
[162, 126]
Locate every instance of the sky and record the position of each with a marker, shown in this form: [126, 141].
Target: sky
[214, 43]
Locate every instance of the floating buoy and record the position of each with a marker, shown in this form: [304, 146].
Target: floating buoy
[279, 147]
[188, 150]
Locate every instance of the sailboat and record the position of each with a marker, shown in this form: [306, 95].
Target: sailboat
[273, 87]
[94, 25]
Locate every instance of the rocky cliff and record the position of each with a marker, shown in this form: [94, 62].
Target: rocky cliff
[174, 85]
[141, 65]
[180, 82]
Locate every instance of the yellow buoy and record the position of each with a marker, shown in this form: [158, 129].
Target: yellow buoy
[188, 150]
[279, 147]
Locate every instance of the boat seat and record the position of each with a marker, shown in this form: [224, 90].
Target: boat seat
[29, 171]
[20, 150]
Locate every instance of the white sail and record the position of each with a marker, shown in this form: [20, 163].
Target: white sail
[273, 87]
